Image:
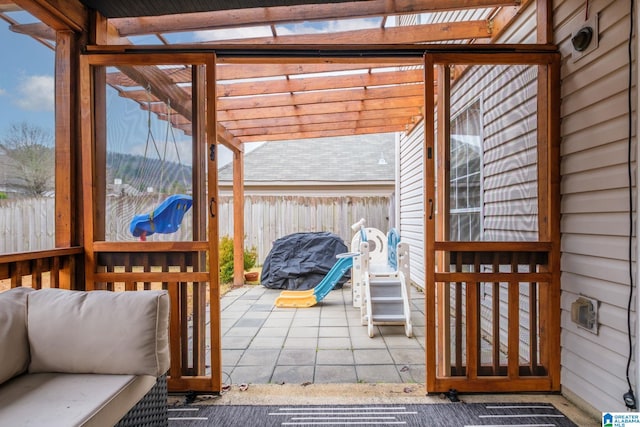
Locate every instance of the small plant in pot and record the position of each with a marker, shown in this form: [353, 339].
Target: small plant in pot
[226, 261]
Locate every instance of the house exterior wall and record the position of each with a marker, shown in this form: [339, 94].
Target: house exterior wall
[410, 200]
[594, 206]
[595, 203]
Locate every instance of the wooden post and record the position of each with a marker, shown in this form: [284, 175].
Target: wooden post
[198, 180]
[67, 222]
[238, 217]
[214, 237]
[544, 21]
[429, 199]
[442, 223]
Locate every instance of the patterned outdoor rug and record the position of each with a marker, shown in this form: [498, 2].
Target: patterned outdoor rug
[445, 414]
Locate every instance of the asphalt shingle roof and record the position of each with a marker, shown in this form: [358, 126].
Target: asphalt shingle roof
[342, 159]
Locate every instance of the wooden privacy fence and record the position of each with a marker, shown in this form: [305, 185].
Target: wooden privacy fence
[28, 224]
[268, 218]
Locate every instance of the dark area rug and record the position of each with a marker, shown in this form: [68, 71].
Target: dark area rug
[445, 414]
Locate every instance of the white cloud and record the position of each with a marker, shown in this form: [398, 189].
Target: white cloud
[305, 27]
[335, 26]
[232, 33]
[36, 93]
[2, 92]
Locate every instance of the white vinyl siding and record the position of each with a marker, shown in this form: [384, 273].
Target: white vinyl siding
[509, 184]
[411, 200]
[595, 204]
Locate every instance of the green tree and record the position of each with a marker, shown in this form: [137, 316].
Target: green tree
[29, 149]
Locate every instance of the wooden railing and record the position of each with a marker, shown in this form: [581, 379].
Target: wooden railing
[180, 268]
[493, 317]
[52, 268]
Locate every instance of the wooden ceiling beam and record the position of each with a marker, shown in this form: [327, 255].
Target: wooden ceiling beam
[407, 112]
[323, 83]
[161, 87]
[427, 33]
[323, 108]
[304, 98]
[253, 71]
[323, 134]
[37, 30]
[228, 139]
[58, 14]
[248, 71]
[9, 6]
[399, 122]
[288, 14]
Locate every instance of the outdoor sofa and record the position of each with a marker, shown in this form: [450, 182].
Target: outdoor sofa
[71, 358]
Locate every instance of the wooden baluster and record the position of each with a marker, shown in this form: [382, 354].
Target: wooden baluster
[179, 261]
[513, 367]
[36, 274]
[533, 318]
[54, 275]
[175, 371]
[198, 318]
[495, 311]
[146, 262]
[458, 325]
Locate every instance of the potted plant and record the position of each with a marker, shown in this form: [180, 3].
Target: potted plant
[226, 261]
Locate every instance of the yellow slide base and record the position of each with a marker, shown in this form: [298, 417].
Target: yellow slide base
[296, 301]
[308, 292]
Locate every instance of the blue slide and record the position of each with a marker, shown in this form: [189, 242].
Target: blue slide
[300, 299]
[166, 218]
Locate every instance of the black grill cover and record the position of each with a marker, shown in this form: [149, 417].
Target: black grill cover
[300, 261]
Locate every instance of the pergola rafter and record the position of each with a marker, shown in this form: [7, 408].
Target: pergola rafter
[271, 16]
[254, 98]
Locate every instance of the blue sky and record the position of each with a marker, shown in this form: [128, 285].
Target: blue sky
[27, 87]
[26, 81]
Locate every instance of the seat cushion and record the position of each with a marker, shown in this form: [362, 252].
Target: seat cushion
[70, 399]
[99, 332]
[14, 345]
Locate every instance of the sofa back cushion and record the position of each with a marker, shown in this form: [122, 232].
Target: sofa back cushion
[14, 345]
[99, 332]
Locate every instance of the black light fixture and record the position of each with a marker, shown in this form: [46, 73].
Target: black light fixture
[582, 38]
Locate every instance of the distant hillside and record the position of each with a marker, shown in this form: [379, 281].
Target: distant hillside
[141, 173]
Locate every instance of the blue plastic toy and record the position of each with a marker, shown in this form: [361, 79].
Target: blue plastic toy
[166, 218]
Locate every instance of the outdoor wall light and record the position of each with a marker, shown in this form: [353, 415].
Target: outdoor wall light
[582, 38]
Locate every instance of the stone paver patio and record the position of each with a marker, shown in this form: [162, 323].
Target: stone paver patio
[326, 343]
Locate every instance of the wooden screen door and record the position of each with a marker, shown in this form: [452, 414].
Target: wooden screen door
[181, 264]
[492, 222]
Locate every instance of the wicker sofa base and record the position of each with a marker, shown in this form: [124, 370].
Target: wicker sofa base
[151, 410]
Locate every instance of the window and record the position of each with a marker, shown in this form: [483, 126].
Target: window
[465, 175]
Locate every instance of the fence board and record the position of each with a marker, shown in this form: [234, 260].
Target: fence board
[28, 224]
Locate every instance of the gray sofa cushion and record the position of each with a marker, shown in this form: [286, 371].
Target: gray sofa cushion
[62, 400]
[14, 345]
[99, 332]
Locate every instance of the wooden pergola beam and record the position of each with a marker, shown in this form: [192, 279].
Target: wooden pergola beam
[277, 15]
[323, 134]
[58, 14]
[37, 30]
[253, 88]
[382, 114]
[254, 71]
[399, 123]
[305, 98]
[320, 108]
[393, 35]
